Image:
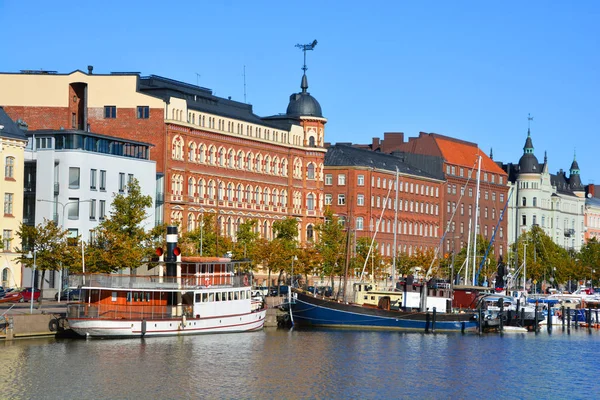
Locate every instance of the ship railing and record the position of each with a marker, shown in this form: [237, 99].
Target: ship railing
[116, 311]
[153, 282]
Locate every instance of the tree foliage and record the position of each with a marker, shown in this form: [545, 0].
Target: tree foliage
[331, 246]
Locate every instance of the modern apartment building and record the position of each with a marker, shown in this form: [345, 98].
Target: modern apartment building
[71, 177]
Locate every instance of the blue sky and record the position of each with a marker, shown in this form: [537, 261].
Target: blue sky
[472, 70]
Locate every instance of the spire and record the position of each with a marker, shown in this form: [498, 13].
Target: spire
[545, 157]
[574, 165]
[491, 153]
[304, 83]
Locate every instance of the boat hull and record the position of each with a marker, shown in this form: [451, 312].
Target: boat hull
[124, 328]
[309, 310]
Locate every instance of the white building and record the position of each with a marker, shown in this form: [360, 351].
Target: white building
[555, 203]
[71, 177]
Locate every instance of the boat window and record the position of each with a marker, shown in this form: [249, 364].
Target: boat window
[243, 295]
[211, 297]
[148, 294]
[135, 296]
[198, 297]
[218, 296]
[114, 296]
[128, 296]
[204, 297]
[224, 296]
[230, 295]
[235, 295]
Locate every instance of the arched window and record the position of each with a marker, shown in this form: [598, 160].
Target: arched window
[9, 167]
[192, 152]
[202, 153]
[221, 190]
[212, 155]
[275, 197]
[310, 171]
[240, 192]
[190, 222]
[231, 159]
[257, 195]
[267, 165]
[177, 148]
[230, 191]
[201, 188]
[276, 166]
[258, 167]
[249, 161]
[311, 141]
[240, 159]
[191, 185]
[284, 167]
[211, 189]
[248, 195]
[221, 157]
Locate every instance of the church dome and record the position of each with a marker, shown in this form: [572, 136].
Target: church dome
[528, 164]
[303, 104]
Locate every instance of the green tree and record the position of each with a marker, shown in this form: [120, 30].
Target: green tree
[332, 246]
[589, 259]
[49, 243]
[121, 240]
[285, 244]
[247, 236]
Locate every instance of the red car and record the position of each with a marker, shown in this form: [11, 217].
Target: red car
[27, 292]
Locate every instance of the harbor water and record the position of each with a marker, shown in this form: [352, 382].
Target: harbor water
[304, 364]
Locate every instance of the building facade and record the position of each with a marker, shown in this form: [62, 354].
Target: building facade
[360, 188]
[457, 162]
[213, 155]
[12, 147]
[71, 177]
[554, 202]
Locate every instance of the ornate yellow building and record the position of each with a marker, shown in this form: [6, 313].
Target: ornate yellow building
[12, 147]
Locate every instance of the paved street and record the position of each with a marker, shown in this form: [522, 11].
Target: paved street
[47, 306]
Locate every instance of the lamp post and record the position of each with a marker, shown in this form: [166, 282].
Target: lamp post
[32, 277]
[62, 225]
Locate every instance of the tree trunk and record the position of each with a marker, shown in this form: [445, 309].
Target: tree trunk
[41, 289]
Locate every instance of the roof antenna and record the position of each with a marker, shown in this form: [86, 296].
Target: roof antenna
[244, 84]
[197, 79]
[304, 48]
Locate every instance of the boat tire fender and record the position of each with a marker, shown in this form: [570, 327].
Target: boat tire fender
[245, 280]
[53, 325]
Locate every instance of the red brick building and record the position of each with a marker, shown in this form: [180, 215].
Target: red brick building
[459, 168]
[213, 155]
[360, 187]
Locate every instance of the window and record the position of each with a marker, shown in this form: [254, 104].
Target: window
[9, 168]
[110, 111]
[535, 220]
[328, 179]
[470, 192]
[524, 201]
[102, 210]
[341, 179]
[328, 199]
[102, 180]
[341, 199]
[6, 239]
[501, 197]
[129, 179]
[524, 219]
[535, 201]
[310, 171]
[310, 202]
[360, 180]
[8, 203]
[359, 223]
[143, 112]
[73, 178]
[121, 182]
[93, 209]
[73, 208]
[93, 176]
[360, 200]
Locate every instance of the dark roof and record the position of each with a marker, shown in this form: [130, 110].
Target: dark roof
[201, 99]
[9, 128]
[528, 164]
[566, 185]
[343, 155]
[592, 201]
[303, 104]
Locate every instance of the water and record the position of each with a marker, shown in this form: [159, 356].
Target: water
[304, 364]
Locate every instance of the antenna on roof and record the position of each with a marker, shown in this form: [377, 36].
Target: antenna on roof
[304, 48]
[244, 84]
[197, 79]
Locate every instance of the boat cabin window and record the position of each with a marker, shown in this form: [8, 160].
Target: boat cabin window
[218, 296]
[230, 295]
[236, 295]
[114, 296]
[148, 294]
[243, 295]
[224, 296]
[211, 297]
[204, 297]
[198, 297]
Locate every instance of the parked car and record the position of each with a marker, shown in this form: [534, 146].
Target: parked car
[27, 293]
[69, 294]
[11, 296]
[283, 290]
[260, 291]
[2, 292]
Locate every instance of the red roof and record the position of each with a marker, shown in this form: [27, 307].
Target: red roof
[458, 152]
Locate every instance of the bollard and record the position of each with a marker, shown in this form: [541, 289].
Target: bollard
[597, 322]
[575, 324]
[589, 319]
[427, 322]
[433, 320]
[536, 325]
[562, 317]
[568, 316]
[549, 320]
[522, 317]
[480, 320]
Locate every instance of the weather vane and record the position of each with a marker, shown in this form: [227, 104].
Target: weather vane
[529, 119]
[304, 48]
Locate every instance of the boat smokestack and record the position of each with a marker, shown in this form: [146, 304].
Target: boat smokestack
[170, 256]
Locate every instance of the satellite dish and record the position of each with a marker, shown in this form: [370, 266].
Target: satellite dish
[589, 195]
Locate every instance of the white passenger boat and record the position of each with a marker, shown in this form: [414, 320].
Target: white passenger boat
[208, 295]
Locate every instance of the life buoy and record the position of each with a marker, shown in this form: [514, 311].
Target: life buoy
[207, 281]
[245, 280]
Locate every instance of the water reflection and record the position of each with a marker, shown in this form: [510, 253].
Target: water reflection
[304, 364]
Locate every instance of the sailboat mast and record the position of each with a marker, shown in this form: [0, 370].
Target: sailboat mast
[468, 252]
[395, 231]
[476, 217]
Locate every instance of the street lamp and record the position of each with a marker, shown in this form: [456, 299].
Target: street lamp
[32, 277]
[62, 225]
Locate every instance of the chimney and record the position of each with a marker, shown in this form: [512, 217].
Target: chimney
[90, 69]
[375, 144]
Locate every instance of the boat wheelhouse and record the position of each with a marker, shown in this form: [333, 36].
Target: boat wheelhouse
[207, 295]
